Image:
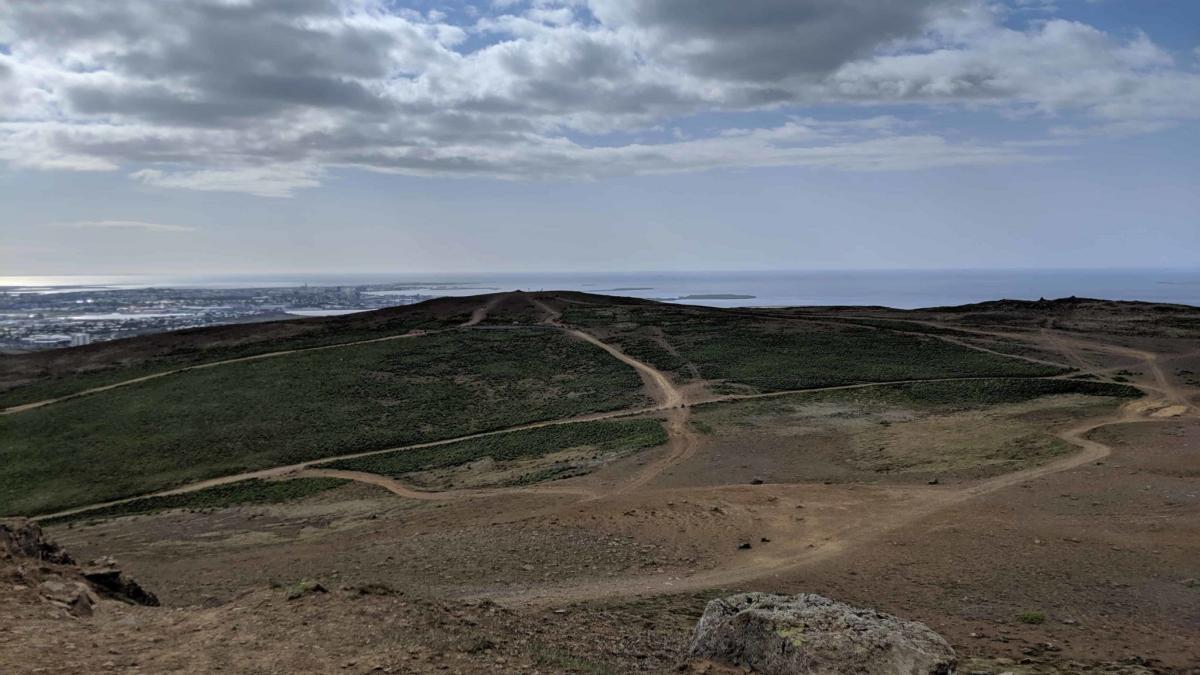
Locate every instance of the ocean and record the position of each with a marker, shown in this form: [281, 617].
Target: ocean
[905, 289]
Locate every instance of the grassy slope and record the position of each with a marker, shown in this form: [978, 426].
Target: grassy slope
[772, 354]
[968, 429]
[603, 436]
[118, 368]
[278, 411]
[965, 395]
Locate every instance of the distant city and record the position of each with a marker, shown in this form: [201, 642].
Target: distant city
[34, 318]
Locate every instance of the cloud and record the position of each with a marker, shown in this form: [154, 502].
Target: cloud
[126, 225]
[765, 41]
[269, 181]
[267, 96]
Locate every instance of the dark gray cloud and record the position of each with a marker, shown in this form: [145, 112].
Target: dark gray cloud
[768, 40]
[206, 63]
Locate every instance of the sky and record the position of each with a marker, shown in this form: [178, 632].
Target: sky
[258, 136]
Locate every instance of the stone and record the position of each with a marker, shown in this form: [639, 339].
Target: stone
[23, 538]
[810, 634]
[112, 583]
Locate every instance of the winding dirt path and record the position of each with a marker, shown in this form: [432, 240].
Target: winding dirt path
[845, 320]
[682, 440]
[793, 556]
[400, 489]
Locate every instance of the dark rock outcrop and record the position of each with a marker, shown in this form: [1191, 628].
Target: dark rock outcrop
[36, 562]
[109, 581]
[21, 538]
[811, 634]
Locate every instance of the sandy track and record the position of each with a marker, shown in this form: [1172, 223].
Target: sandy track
[682, 441]
[400, 489]
[481, 312]
[927, 501]
[848, 320]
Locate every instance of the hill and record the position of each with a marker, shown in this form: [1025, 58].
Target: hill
[623, 460]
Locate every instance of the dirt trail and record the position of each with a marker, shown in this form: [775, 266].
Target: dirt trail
[842, 320]
[791, 556]
[293, 470]
[481, 312]
[398, 488]
[681, 444]
[660, 387]
[682, 441]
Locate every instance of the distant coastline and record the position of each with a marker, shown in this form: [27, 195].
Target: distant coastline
[901, 289]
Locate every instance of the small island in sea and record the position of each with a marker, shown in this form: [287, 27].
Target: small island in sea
[716, 296]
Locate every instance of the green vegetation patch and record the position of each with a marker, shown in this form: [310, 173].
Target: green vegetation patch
[773, 354]
[947, 394]
[912, 431]
[247, 492]
[1032, 618]
[965, 394]
[602, 436]
[183, 353]
[258, 414]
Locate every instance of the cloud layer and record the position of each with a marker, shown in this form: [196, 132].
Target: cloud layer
[126, 225]
[266, 96]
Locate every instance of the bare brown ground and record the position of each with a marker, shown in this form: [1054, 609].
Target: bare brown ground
[1103, 541]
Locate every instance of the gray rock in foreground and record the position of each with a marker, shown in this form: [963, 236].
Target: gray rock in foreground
[803, 634]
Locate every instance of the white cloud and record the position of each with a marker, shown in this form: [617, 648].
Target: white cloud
[264, 96]
[126, 225]
[268, 181]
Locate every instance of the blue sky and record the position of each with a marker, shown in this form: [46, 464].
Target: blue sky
[225, 136]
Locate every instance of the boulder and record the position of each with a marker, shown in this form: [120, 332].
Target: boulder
[111, 582]
[74, 596]
[23, 538]
[811, 634]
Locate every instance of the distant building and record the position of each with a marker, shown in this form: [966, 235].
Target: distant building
[48, 340]
[80, 339]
